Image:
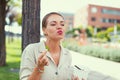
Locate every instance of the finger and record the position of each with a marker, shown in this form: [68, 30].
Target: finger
[44, 60]
[72, 77]
[83, 79]
[42, 54]
[76, 78]
[46, 63]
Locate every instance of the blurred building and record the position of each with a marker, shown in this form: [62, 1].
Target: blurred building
[69, 17]
[97, 16]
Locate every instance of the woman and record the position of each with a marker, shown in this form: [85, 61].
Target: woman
[48, 60]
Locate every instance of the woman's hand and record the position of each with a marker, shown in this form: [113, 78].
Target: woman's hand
[42, 61]
[75, 78]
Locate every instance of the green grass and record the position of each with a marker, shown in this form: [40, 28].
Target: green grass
[11, 70]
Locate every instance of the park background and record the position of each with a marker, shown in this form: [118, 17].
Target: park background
[98, 44]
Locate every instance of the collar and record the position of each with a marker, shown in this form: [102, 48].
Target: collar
[43, 48]
[63, 53]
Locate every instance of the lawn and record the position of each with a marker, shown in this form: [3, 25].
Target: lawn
[11, 70]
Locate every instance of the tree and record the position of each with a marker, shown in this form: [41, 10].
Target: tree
[2, 32]
[30, 22]
[4, 8]
[14, 11]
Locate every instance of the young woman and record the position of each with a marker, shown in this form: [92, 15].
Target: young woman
[48, 60]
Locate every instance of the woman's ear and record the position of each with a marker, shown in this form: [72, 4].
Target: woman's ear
[44, 31]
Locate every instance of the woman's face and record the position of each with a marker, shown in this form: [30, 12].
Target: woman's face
[55, 28]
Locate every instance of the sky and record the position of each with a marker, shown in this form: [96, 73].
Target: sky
[72, 6]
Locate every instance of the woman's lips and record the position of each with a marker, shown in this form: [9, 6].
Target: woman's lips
[60, 32]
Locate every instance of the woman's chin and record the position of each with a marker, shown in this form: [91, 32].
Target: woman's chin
[59, 38]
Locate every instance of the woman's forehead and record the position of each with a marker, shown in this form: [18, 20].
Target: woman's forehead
[55, 18]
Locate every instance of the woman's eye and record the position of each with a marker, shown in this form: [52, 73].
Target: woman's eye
[52, 24]
[62, 24]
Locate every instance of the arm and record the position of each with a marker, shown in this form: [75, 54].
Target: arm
[28, 68]
[36, 74]
[39, 69]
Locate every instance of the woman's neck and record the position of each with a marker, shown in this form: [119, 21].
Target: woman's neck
[53, 46]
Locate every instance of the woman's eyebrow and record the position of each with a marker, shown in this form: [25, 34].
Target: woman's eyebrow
[62, 21]
[56, 21]
[53, 21]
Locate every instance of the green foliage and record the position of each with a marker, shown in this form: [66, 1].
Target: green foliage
[72, 32]
[99, 29]
[14, 7]
[89, 31]
[11, 70]
[15, 3]
[80, 27]
[96, 51]
[118, 27]
[18, 18]
[101, 34]
[110, 29]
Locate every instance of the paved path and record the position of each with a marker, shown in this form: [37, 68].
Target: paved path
[103, 66]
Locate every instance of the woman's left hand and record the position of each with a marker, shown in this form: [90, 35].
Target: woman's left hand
[75, 78]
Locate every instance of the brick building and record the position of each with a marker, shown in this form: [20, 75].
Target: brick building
[97, 16]
[69, 17]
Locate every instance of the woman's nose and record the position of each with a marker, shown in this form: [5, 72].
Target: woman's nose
[59, 26]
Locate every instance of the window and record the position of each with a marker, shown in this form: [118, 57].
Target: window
[111, 20]
[104, 20]
[118, 21]
[93, 9]
[113, 12]
[93, 19]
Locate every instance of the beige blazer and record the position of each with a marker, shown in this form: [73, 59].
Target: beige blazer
[52, 72]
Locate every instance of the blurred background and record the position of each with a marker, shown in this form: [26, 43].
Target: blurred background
[92, 30]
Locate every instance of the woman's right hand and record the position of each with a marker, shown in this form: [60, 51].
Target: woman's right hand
[42, 61]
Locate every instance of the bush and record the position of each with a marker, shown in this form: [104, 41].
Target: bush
[96, 51]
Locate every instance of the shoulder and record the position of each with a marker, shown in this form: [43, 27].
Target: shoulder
[67, 52]
[34, 46]
[30, 48]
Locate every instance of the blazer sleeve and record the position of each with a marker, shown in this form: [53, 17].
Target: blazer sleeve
[27, 62]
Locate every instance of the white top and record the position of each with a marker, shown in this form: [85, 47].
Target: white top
[51, 72]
